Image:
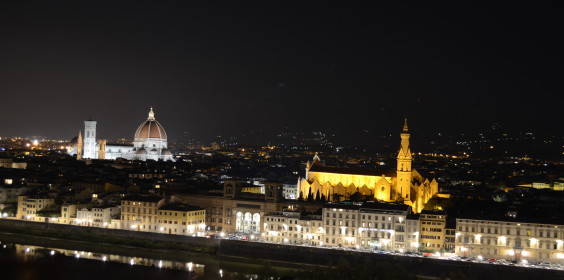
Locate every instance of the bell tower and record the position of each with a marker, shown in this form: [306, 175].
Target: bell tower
[89, 139]
[403, 184]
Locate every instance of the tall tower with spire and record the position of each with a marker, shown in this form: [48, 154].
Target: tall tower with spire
[79, 146]
[404, 160]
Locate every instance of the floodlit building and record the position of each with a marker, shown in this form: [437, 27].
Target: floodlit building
[432, 230]
[30, 206]
[69, 212]
[181, 219]
[99, 216]
[402, 184]
[373, 225]
[510, 239]
[140, 212]
[293, 228]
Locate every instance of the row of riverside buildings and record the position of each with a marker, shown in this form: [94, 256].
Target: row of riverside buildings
[138, 212]
[368, 225]
[387, 226]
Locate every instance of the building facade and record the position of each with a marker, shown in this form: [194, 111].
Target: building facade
[413, 227]
[510, 240]
[293, 228]
[30, 206]
[181, 219]
[99, 216]
[432, 230]
[371, 225]
[140, 212]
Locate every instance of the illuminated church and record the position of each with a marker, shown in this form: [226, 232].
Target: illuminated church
[401, 185]
[149, 143]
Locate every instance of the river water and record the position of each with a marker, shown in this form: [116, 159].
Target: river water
[29, 262]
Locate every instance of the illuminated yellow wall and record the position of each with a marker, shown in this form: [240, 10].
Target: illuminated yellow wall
[345, 179]
[252, 189]
[347, 184]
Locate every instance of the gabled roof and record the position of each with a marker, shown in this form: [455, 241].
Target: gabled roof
[353, 171]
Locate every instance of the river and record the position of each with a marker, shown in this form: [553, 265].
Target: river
[41, 260]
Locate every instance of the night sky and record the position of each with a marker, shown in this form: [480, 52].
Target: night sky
[225, 68]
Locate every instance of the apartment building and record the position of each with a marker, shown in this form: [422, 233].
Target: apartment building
[510, 239]
[432, 230]
[372, 225]
[29, 206]
[181, 219]
[293, 228]
[100, 216]
[140, 212]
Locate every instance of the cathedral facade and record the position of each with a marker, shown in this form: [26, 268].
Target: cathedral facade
[404, 184]
[149, 143]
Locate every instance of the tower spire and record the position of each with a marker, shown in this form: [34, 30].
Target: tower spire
[151, 114]
[404, 175]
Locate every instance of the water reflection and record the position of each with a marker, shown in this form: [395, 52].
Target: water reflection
[30, 252]
[22, 259]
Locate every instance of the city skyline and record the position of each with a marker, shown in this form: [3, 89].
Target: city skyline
[280, 140]
[225, 70]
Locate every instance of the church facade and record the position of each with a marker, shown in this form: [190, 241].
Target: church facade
[404, 184]
[149, 143]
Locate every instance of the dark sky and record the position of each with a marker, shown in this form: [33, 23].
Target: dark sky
[225, 68]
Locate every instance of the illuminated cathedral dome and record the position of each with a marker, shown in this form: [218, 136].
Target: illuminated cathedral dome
[150, 128]
[149, 143]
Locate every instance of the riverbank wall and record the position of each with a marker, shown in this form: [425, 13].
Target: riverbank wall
[119, 237]
[298, 255]
[421, 266]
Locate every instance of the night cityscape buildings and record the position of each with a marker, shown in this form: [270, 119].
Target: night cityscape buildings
[284, 139]
[195, 196]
